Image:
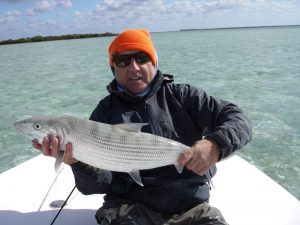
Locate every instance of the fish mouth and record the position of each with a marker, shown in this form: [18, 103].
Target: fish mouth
[18, 126]
[21, 127]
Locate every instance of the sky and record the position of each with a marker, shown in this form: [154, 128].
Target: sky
[27, 18]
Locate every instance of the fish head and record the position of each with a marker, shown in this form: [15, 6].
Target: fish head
[37, 127]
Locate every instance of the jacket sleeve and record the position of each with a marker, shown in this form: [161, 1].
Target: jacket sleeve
[219, 120]
[90, 180]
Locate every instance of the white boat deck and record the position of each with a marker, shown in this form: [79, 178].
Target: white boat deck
[245, 195]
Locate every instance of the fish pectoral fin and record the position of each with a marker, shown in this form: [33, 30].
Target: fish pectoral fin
[135, 175]
[133, 127]
[178, 167]
[59, 160]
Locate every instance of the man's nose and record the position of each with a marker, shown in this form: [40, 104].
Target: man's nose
[134, 65]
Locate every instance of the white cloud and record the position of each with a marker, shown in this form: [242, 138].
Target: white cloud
[44, 6]
[215, 5]
[77, 14]
[15, 1]
[178, 14]
[50, 22]
[114, 4]
[156, 15]
[126, 9]
[10, 17]
[100, 8]
[64, 4]
[14, 13]
[274, 4]
[29, 12]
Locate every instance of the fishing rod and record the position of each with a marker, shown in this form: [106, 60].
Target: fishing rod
[50, 188]
[63, 205]
[48, 192]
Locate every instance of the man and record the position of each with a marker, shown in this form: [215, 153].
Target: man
[140, 93]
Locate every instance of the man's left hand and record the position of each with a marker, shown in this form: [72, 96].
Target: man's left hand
[201, 156]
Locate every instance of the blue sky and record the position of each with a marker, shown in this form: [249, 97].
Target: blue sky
[27, 18]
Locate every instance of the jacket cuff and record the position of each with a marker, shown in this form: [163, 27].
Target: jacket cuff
[222, 142]
[78, 166]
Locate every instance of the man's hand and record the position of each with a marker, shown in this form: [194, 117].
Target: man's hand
[50, 147]
[200, 157]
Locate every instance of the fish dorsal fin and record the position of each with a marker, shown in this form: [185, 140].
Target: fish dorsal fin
[133, 127]
[135, 175]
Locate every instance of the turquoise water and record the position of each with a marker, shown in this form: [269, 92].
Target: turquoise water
[258, 69]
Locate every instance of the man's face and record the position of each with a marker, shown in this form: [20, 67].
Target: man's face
[136, 76]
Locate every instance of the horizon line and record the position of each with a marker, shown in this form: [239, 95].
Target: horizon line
[241, 27]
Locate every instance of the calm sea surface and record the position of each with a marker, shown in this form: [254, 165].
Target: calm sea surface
[258, 69]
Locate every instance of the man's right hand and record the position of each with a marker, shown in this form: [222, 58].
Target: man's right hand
[50, 147]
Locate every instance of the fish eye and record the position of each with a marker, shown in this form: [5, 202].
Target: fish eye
[37, 126]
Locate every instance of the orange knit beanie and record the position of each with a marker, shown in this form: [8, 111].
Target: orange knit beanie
[133, 40]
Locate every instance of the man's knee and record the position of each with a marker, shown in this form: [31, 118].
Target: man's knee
[203, 214]
[128, 214]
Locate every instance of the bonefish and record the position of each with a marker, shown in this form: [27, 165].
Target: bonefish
[121, 147]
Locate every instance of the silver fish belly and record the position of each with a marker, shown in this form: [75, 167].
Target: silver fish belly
[121, 148]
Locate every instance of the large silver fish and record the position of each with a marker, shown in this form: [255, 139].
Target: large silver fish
[121, 147]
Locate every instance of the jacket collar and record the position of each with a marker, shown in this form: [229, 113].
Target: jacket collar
[155, 85]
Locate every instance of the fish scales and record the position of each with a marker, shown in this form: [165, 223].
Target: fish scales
[131, 146]
[129, 151]
[127, 154]
[121, 148]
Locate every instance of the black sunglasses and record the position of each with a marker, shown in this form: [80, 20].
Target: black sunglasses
[125, 60]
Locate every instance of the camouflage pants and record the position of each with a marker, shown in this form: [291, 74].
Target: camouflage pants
[118, 212]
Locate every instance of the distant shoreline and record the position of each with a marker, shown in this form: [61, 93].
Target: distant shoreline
[39, 38]
[232, 28]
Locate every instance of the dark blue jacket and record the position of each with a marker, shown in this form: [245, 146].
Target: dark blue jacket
[176, 111]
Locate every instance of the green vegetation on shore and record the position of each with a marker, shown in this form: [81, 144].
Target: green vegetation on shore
[54, 38]
[249, 27]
